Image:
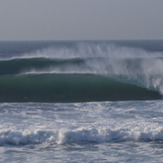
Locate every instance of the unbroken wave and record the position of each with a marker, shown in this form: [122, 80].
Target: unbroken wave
[29, 65]
[69, 88]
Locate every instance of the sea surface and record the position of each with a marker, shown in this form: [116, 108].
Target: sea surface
[81, 101]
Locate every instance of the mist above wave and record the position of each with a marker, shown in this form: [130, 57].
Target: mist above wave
[128, 64]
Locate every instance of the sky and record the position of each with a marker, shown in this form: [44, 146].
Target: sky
[81, 19]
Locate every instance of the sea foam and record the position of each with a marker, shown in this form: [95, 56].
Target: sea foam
[102, 135]
[80, 135]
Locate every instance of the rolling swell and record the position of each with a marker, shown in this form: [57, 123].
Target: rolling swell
[69, 88]
[95, 65]
[19, 65]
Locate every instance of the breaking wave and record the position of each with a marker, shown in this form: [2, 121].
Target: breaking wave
[94, 70]
[80, 136]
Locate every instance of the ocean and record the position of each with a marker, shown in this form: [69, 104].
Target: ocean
[81, 101]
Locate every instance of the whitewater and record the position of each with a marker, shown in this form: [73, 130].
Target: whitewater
[81, 101]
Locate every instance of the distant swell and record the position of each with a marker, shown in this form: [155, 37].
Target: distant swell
[69, 88]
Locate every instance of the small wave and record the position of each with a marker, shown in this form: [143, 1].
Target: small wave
[27, 137]
[80, 136]
[102, 135]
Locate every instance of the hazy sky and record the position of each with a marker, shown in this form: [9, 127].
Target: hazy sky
[81, 19]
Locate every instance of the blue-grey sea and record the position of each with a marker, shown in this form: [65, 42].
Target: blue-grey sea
[81, 101]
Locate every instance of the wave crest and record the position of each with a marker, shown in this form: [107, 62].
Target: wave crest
[80, 136]
[102, 135]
